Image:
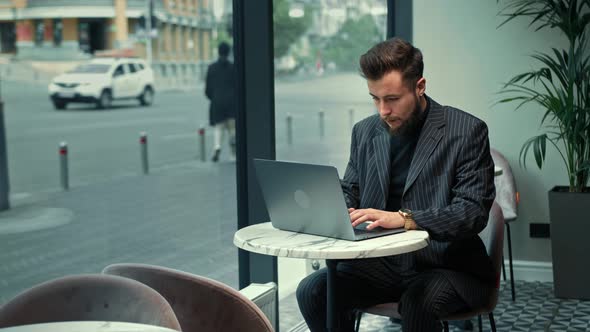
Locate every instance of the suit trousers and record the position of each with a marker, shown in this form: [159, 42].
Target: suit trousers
[424, 297]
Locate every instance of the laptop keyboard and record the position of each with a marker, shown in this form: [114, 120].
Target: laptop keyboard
[362, 229]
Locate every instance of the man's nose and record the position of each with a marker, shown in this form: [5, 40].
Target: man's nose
[383, 109]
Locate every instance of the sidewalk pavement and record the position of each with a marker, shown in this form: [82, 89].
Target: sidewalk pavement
[181, 216]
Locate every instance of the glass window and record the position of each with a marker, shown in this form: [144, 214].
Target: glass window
[7, 37]
[84, 37]
[57, 32]
[319, 94]
[119, 71]
[39, 32]
[132, 68]
[91, 68]
[181, 213]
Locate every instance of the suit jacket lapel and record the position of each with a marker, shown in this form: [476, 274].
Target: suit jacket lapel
[382, 162]
[431, 134]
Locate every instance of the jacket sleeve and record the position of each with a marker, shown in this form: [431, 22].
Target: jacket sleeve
[350, 183]
[209, 84]
[472, 192]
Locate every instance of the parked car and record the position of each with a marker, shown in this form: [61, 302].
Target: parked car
[102, 80]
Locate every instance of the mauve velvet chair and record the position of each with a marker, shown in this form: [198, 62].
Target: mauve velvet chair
[508, 198]
[493, 238]
[89, 297]
[201, 304]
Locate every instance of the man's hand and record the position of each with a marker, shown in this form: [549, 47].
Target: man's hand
[385, 219]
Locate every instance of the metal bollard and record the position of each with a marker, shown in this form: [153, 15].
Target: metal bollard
[144, 152]
[321, 114]
[4, 178]
[289, 129]
[63, 158]
[202, 142]
[351, 117]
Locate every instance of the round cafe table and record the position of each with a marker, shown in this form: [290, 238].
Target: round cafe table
[87, 326]
[267, 240]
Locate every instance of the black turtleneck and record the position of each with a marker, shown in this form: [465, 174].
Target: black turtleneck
[401, 153]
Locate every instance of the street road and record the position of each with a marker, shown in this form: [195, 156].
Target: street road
[104, 144]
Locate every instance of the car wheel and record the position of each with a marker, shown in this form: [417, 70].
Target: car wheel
[147, 96]
[59, 104]
[105, 100]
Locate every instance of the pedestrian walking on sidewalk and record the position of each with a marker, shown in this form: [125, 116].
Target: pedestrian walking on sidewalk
[219, 89]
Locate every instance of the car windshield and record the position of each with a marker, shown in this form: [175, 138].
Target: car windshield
[91, 68]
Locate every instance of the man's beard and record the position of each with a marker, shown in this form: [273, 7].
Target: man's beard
[411, 125]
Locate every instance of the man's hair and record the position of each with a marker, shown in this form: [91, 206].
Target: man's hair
[393, 54]
[223, 49]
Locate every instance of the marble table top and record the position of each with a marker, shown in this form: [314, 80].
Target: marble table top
[87, 326]
[265, 239]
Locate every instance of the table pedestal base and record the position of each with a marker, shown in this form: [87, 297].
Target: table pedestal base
[332, 314]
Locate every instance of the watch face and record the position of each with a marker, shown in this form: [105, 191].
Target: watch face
[406, 212]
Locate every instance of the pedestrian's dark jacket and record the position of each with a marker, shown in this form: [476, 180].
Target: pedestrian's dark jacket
[219, 89]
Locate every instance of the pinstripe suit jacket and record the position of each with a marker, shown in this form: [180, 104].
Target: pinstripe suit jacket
[449, 188]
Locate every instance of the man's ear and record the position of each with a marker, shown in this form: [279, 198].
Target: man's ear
[421, 86]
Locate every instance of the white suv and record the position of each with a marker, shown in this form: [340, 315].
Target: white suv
[103, 80]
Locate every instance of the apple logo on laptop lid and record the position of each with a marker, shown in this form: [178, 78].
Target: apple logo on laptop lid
[302, 199]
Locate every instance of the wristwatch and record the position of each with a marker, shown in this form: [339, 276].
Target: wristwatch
[408, 216]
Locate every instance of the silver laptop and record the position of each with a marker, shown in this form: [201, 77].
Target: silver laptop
[308, 198]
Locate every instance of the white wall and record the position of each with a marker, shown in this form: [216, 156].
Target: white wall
[291, 271]
[466, 60]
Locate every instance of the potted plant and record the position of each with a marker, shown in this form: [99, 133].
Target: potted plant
[560, 87]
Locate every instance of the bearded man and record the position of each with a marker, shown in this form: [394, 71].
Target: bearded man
[419, 165]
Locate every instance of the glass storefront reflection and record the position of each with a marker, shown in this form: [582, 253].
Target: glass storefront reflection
[319, 94]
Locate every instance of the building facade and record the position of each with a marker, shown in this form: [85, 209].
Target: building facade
[72, 29]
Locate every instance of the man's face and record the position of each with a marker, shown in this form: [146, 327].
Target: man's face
[397, 104]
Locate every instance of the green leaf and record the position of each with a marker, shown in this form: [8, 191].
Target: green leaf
[559, 86]
[584, 166]
[537, 152]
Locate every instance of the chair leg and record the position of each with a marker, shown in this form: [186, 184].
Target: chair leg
[463, 325]
[359, 315]
[503, 269]
[446, 326]
[510, 262]
[492, 321]
[479, 323]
